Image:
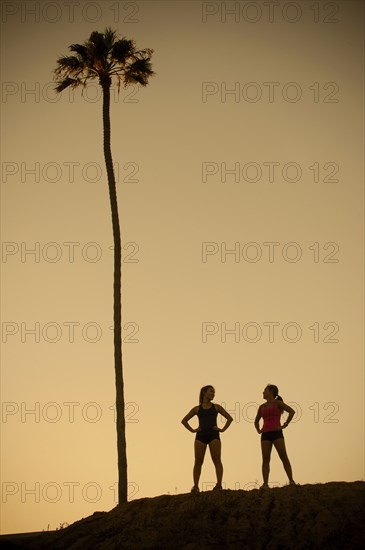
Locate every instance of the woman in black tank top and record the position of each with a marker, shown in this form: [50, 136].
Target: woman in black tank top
[207, 433]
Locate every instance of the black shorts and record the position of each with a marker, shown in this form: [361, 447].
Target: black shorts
[206, 436]
[271, 436]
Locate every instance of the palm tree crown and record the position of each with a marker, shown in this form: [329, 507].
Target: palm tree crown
[103, 56]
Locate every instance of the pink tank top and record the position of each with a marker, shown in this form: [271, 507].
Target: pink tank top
[271, 416]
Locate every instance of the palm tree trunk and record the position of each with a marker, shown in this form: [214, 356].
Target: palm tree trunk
[120, 406]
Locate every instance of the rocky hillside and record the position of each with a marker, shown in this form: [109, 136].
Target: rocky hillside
[325, 517]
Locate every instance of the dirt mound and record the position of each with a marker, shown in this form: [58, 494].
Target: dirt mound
[308, 517]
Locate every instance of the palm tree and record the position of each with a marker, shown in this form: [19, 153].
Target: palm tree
[104, 56]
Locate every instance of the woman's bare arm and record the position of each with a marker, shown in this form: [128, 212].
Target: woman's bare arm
[257, 420]
[226, 415]
[185, 420]
[284, 407]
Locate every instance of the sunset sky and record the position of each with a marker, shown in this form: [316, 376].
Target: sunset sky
[240, 185]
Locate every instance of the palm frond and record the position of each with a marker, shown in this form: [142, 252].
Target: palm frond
[122, 50]
[81, 50]
[67, 83]
[110, 37]
[98, 45]
[139, 72]
[146, 53]
[69, 63]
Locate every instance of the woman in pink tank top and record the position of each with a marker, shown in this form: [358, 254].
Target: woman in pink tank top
[272, 431]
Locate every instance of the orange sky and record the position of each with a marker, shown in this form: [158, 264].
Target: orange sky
[240, 185]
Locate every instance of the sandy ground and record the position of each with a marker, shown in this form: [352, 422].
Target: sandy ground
[322, 516]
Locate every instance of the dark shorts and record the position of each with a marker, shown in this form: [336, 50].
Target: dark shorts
[271, 436]
[206, 436]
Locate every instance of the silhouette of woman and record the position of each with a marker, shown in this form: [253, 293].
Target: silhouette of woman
[207, 434]
[272, 431]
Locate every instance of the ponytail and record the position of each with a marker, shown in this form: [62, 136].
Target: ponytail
[275, 391]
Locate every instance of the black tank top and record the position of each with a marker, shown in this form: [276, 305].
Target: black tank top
[207, 417]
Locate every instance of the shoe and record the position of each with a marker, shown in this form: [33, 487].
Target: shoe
[264, 486]
[217, 488]
[195, 490]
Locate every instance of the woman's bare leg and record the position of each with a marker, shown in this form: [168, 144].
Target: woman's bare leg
[215, 447]
[199, 452]
[266, 447]
[281, 449]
